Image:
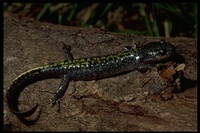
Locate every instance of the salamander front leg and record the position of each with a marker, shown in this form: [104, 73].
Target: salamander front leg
[60, 92]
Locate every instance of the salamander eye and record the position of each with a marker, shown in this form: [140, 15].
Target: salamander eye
[163, 52]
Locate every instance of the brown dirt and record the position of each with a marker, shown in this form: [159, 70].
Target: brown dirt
[131, 102]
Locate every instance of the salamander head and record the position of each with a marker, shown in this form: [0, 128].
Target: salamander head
[156, 51]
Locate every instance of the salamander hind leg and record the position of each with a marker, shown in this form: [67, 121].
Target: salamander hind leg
[60, 92]
[127, 48]
[67, 52]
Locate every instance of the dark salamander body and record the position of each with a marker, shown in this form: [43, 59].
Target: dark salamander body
[91, 68]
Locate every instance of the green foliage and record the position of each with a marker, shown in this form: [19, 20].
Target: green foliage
[153, 19]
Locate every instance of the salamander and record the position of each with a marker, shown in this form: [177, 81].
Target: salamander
[91, 68]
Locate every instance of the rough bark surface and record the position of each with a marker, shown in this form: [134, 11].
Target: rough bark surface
[131, 102]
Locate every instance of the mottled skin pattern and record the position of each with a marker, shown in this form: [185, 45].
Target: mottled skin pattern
[91, 68]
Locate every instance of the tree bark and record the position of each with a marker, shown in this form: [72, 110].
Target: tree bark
[133, 101]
